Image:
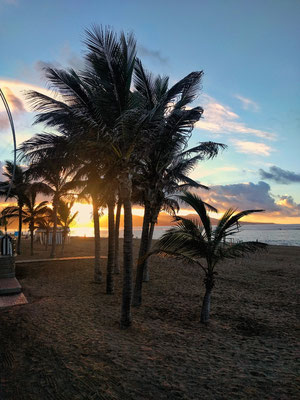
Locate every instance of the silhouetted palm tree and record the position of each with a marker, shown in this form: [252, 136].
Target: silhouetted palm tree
[46, 224]
[192, 241]
[31, 212]
[19, 188]
[164, 171]
[65, 219]
[57, 181]
[99, 109]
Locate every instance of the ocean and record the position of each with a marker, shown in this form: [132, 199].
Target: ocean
[274, 234]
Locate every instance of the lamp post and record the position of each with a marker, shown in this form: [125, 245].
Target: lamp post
[10, 118]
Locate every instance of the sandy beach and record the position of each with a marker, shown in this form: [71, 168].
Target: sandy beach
[66, 343]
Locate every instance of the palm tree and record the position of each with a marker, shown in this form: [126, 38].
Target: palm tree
[31, 212]
[164, 171]
[192, 241]
[56, 180]
[99, 109]
[65, 219]
[4, 221]
[19, 183]
[46, 224]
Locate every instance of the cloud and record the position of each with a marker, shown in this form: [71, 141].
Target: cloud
[18, 88]
[280, 175]
[250, 196]
[220, 119]
[247, 104]
[153, 54]
[15, 104]
[260, 149]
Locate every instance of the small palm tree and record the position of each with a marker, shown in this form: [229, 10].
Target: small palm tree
[20, 182]
[4, 222]
[194, 241]
[46, 224]
[31, 212]
[56, 180]
[65, 218]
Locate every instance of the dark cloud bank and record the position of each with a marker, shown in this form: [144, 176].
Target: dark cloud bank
[280, 175]
[250, 196]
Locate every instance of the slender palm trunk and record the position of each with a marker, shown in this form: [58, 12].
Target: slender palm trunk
[137, 296]
[47, 239]
[209, 284]
[63, 241]
[97, 267]
[31, 228]
[116, 269]
[111, 249]
[146, 276]
[53, 247]
[20, 228]
[125, 192]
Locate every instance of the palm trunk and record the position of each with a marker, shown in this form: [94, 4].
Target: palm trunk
[63, 241]
[209, 284]
[47, 239]
[146, 276]
[31, 228]
[53, 247]
[137, 296]
[111, 249]
[116, 269]
[20, 228]
[125, 192]
[97, 267]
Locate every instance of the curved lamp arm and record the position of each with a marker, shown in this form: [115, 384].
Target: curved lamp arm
[14, 139]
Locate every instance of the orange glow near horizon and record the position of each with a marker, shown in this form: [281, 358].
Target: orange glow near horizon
[84, 218]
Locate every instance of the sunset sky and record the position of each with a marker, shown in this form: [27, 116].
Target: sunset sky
[250, 54]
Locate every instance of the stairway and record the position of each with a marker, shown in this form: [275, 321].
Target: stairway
[10, 288]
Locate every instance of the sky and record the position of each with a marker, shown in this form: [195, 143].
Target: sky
[248, 50]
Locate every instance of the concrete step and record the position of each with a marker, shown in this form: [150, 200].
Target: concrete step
[6, 269]
[7, 275]
[9, 286]
[13, 300]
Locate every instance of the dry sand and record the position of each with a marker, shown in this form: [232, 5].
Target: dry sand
[66, 343]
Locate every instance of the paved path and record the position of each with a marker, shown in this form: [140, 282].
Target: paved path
[56, 259]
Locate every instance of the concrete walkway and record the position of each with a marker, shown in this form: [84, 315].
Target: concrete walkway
[55, 259]
[12, 300]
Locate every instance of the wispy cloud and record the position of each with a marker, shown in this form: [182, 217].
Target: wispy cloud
[219, 119]
[280, 175]
[247, 104]
[18, 89]
[256, 148]
[153, 54]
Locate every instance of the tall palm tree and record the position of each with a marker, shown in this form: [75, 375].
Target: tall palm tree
[165, 169]
[65, 219]
[18, 181]
[99, 108]
[193, 241]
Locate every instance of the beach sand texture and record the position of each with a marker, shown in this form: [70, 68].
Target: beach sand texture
[66, 343]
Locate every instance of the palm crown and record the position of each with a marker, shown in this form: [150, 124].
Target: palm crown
[194, 241]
